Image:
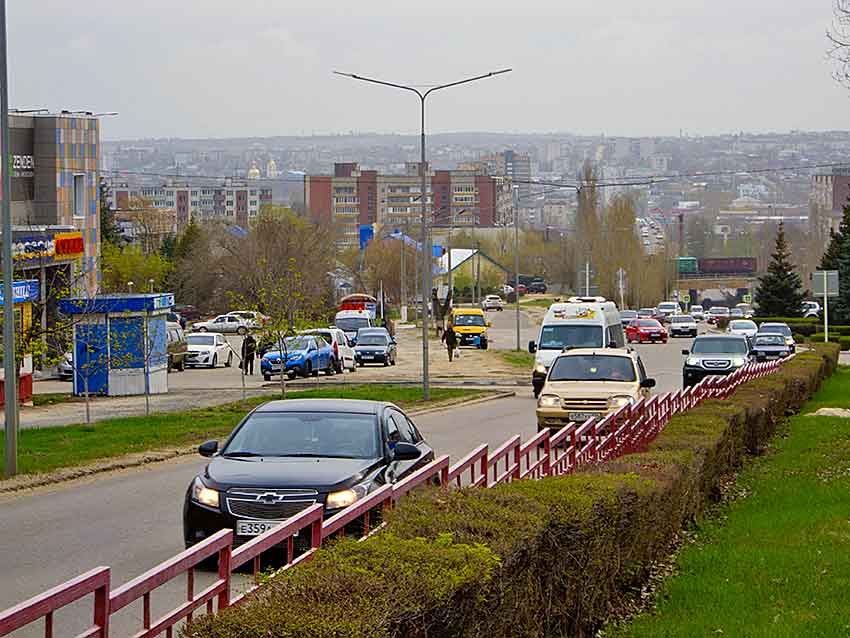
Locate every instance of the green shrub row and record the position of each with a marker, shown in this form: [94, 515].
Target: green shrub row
[532, 558]
[834, 337]
[789, 320]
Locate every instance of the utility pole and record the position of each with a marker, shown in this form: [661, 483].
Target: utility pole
[587, 279]
[427, 252]
[10, 365]
[403, 284]
[516, 272]
[621, 284]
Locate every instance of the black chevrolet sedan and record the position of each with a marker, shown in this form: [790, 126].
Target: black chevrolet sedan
[288, 455]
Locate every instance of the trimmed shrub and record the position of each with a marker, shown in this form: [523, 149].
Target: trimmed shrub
[789, 320]
[834, 337]
[531, 558]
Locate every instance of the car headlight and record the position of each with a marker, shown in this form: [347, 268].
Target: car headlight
[692, 361]
[738, 361]
[549, 401]
[620, 401]
[344, 498]
[295, 356]
[539, 368]
[203, 494]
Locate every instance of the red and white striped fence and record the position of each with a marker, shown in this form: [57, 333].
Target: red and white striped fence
[628, 430]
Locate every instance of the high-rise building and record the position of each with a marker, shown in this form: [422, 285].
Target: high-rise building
[352, 197]
[516, 166]
[829, 193]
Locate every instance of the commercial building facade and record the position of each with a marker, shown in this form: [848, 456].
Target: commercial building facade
[352, 197]
[829, 194]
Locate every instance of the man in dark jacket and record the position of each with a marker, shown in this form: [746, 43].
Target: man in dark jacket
[249, 349]
[450, 339]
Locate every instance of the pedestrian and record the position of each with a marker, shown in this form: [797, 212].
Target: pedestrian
[450, 339]
[249, 349]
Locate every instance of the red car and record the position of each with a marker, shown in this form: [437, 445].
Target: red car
[646, 330]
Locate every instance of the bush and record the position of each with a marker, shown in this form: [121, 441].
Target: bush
[834, 337]
[531, 558]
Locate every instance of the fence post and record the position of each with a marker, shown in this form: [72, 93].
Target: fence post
[224, 556]
[517, 462]
[547, 454]
[101, 606]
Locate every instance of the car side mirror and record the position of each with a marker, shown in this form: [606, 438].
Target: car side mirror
[404, 451]
[686, 352]
[532, 347]
[208, 448]
[647, 383]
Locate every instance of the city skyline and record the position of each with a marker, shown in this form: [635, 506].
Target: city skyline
[216, 72]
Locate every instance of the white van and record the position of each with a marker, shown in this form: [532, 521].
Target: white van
[581, 322]
[350, 321]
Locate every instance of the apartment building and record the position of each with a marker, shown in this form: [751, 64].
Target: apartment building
[516, 166]
[352, 197]
[234, 201]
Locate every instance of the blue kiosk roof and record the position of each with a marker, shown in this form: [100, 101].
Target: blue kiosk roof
[116, 303]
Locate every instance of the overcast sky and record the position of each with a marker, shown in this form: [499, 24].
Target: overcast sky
[225, 68]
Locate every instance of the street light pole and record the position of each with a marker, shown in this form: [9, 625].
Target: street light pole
[427, 256]
[10, 366]
[516, 270]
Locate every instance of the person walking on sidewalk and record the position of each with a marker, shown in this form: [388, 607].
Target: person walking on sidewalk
[249, 349]
[450, 339]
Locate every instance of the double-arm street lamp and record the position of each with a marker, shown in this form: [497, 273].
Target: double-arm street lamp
[427, 270]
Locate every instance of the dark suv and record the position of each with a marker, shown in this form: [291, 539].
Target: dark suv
[537, 286]
[177, 347]
[714, 355]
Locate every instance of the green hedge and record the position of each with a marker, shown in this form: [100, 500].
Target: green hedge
[834, 337]
[532, 558]
[789, 320]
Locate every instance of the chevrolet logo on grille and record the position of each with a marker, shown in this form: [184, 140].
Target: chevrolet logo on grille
[270, 498]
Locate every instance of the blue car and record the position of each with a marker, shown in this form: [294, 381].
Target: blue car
[305, 355]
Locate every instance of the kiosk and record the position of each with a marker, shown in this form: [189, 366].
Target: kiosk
[120, 346]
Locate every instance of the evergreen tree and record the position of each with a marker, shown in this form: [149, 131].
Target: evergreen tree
[780, 290]
[837, 257]
[108, 229]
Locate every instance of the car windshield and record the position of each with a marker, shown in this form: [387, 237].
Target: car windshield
[775, 328]
[592, 368]
[648, 323]
[628, 314]
[310, 434]
[668, 306]
[719, 345]
[683, 319]
[770, 340]
[742, 325]
[696, 308]
[372, 340]
[558, 337]
[352, 324]
[297, 343]
[719, 310]
[646, 312]
[200, 340]
[468, 320]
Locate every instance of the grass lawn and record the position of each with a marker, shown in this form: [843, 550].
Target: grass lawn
[777, 561]
[53, 398]
[521, 359]
[45, 449]
[539, 303]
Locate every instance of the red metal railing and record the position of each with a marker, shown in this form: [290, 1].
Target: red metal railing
[629, 429]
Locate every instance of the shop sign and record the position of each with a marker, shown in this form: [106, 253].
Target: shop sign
[23, 291]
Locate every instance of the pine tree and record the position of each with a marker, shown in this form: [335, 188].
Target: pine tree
[837, 257]
[108, 228]
[780, 290]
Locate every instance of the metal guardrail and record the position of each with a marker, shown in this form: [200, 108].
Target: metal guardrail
[548, 453]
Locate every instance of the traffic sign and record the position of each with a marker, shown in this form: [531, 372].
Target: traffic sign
[825, 279]
[686, 298]
[748, 298]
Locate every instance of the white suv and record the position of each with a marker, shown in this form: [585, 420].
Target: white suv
[492, 302]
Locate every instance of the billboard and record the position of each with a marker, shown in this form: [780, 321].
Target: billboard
[22, 164]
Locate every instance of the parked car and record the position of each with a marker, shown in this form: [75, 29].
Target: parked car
[538, 286]
[770, 346]
[188, 312]
[811, 309]
[697, 312]
[342, 350]
[65, 367]
[375, 345]
[305, 355]
[646, 330]
[522, 289]
[506, 289]
[492, 302]
[288, 455]
[714, 354]
[627, 316]
[779, 329]
[253, 319]
[208, 349]
[224, 324]
[646, 313]
[177, 347]
[744, 327]
[683, 326]
[717, 312]
[587, 383]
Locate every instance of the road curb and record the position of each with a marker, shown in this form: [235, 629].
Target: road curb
[65, 475]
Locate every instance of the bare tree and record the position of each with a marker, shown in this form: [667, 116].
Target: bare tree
[839, 38]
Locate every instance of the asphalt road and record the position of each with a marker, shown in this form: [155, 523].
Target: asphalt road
[132, 520]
